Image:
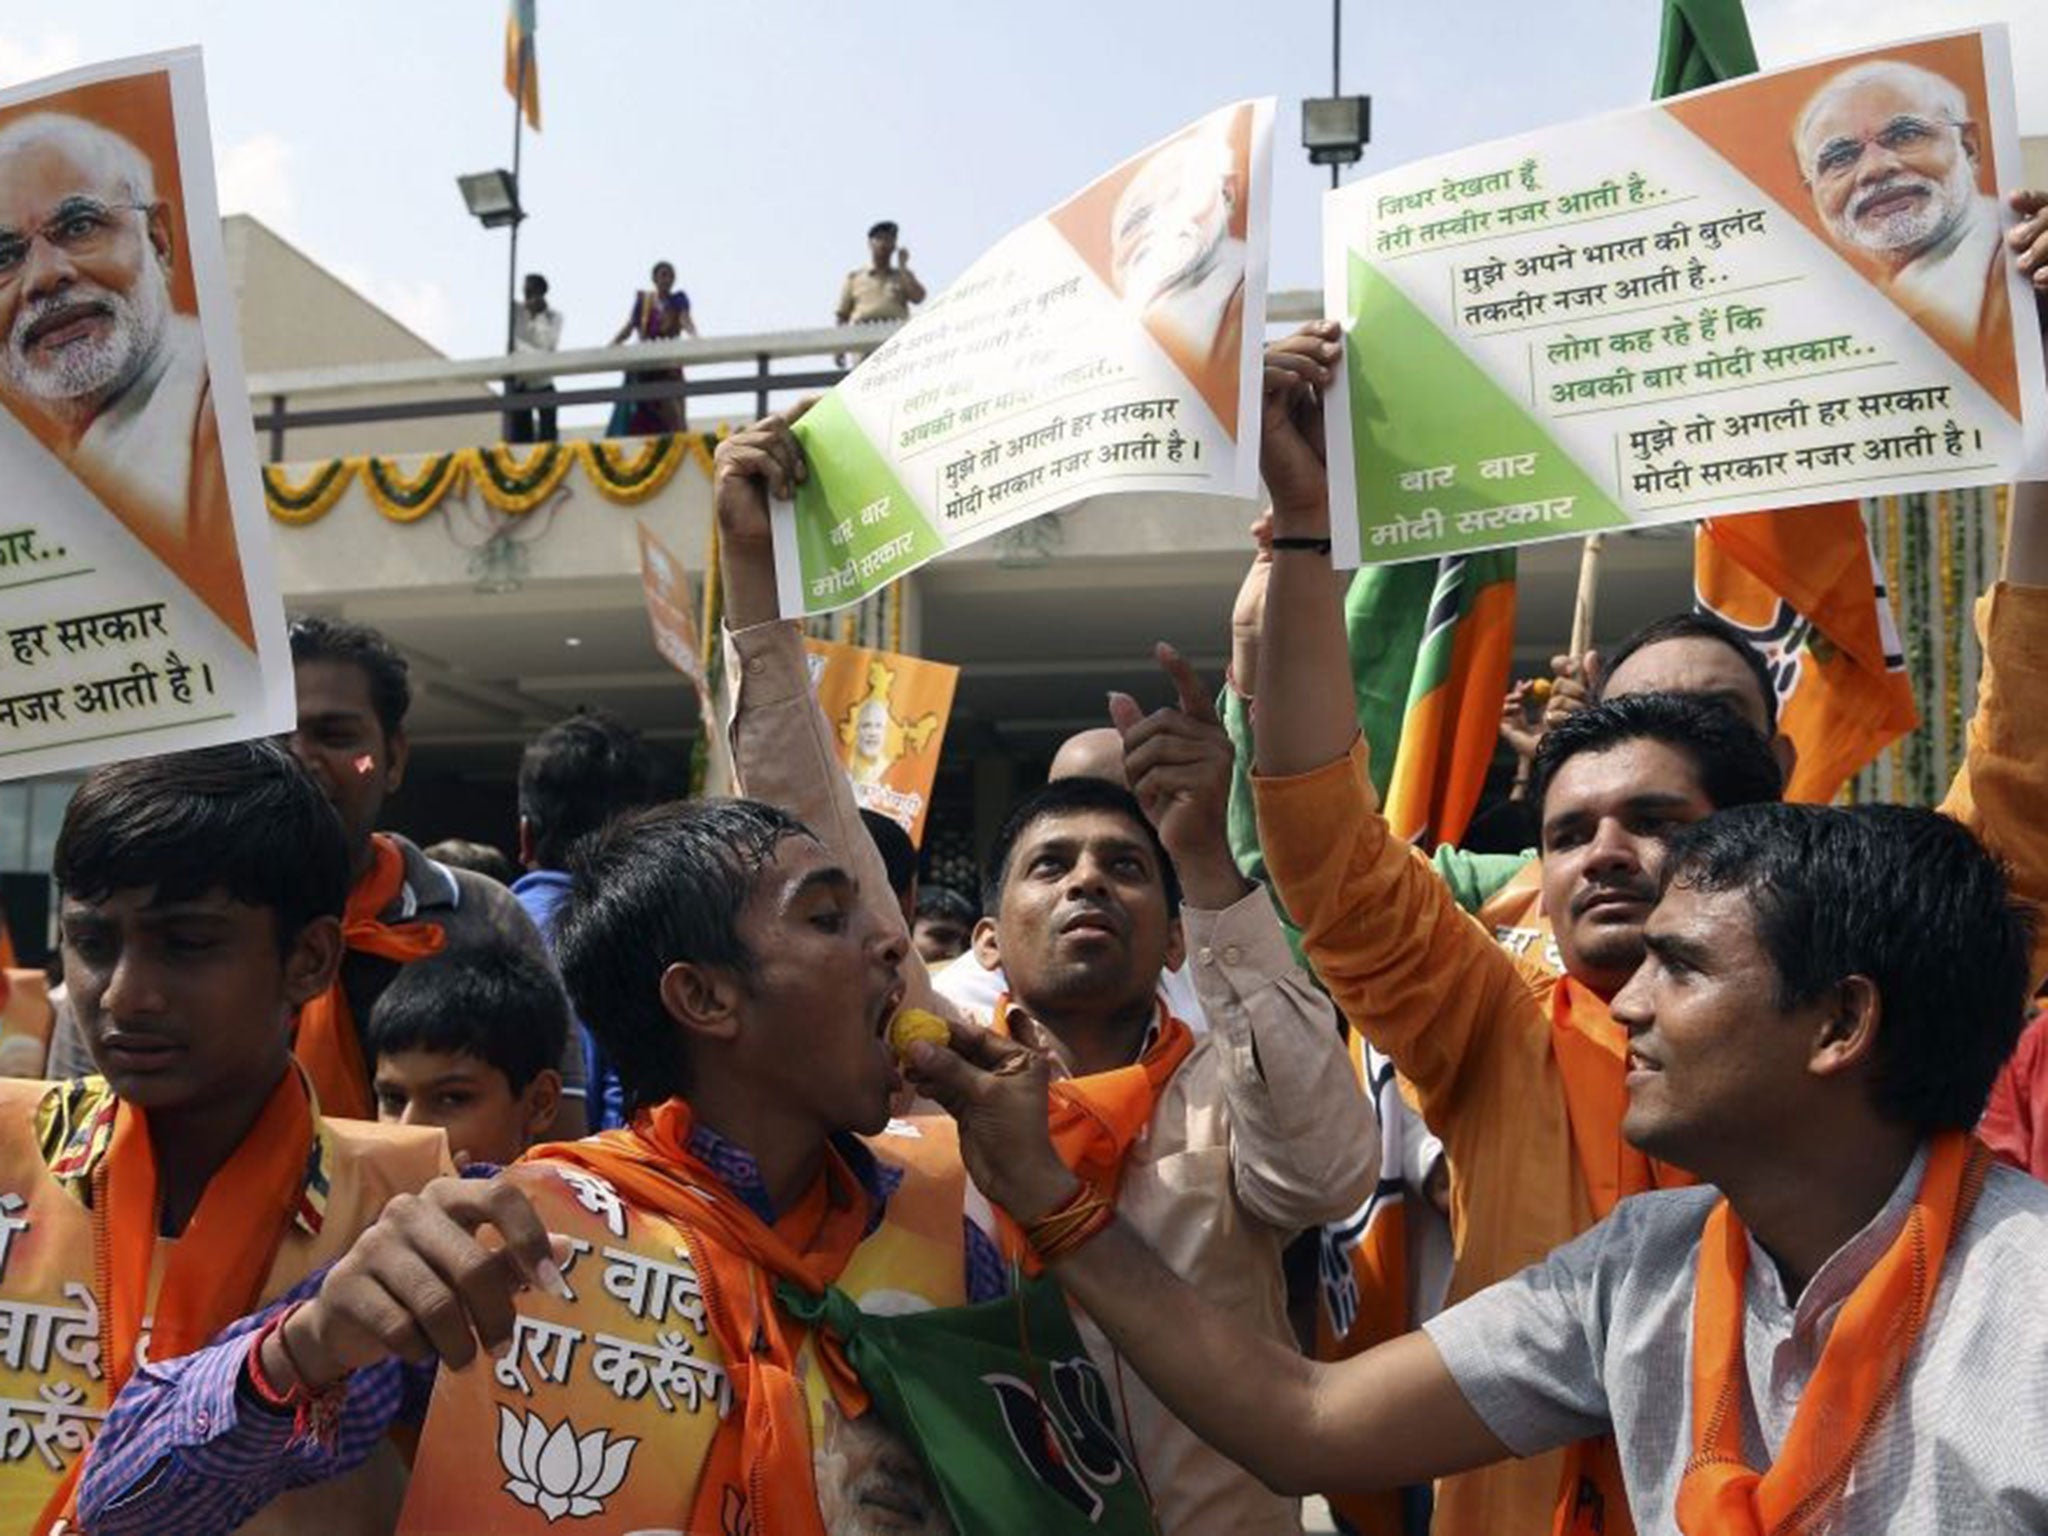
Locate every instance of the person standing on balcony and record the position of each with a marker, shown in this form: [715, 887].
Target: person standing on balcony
[885, 288]
[660, 315]
[535, 328]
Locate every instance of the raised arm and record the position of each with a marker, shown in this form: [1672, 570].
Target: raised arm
[2001, 792]
[1304, 1143]
[1424, 983]
[913, 290]
[1386, 1418]
[1304, 659]
[782, 748]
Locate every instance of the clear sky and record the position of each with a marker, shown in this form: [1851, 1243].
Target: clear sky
[753, 143]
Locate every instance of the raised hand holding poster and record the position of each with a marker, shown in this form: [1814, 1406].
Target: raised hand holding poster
[1790, 288]
[1111, 345]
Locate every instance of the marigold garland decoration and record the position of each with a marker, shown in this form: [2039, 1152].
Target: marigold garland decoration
[310, 501]
[631, 475]
[407, 498]
[512, 480]
[516, 481]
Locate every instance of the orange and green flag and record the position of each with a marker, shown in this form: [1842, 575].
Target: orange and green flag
[522, 65]
[1801, 585]
[1445, 714]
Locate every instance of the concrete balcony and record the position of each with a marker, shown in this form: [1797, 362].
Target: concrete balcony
[514, 620]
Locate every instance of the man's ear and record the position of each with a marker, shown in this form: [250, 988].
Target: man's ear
[1176, 945]
[158, 221]
[985, 946]
[397, 753]
[313, 960]
[1847, 1034]
[538, 1104]
[704, 999]
[1972, 142]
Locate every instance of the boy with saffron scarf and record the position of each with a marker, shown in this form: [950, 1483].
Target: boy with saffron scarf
[655, 1379]
[1219, 1147]
[1842, 1333]
[142, 1210]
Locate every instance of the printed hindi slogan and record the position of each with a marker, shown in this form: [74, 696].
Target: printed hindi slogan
[1111, 345]
[138, 609]
[1680, 312]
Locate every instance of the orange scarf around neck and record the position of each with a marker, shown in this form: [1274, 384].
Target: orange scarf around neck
[226, 1252]
[1591, 1052]
[1860, 1367]
[738, 1259]
[1096, 1119]
[327, 1044]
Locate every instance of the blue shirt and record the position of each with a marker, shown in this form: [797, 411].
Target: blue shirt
[540, 891]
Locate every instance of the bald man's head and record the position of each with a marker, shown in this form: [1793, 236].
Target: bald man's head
[1096, 754]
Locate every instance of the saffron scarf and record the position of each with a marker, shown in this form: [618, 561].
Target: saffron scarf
[766, 1451]
[1094, 1120]
[216, 1274]
[1855, 1383]
[1592, 1062]
[327, 1044]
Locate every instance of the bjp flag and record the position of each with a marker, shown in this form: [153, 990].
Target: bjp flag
[1805, 590]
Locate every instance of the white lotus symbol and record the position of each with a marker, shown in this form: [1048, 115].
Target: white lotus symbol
[556, 1471]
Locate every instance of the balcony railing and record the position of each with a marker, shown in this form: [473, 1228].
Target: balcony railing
[770, 354]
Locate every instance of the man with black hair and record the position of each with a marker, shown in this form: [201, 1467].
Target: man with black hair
[353, 692]
[573, 777]
[1220, 1147]
[1838, 1332]
[1519, 1069]
[471, 1041]
[885, 288]
[143, 1209]
[942, 925]
[899, 859]
[743, 990]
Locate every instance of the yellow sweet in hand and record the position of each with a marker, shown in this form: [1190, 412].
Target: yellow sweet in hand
[1539, 688]
[912, 1025]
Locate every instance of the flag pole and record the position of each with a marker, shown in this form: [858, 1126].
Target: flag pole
[1589, 591]
[518, 192]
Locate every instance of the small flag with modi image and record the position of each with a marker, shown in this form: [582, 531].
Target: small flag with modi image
[888, 715]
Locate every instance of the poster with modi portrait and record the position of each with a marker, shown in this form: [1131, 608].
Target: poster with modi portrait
[139, 611]
[1785, 289]
[1110, 345]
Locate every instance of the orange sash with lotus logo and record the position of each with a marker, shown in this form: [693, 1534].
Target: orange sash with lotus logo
[623, 1405]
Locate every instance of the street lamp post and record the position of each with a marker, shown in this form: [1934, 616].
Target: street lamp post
[1335, 128]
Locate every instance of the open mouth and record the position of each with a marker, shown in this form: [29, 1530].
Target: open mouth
[885, 1010]
[1638, 1062]
[1100, 924]
[65, 325]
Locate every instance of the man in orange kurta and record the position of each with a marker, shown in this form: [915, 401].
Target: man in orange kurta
[1520, 1072]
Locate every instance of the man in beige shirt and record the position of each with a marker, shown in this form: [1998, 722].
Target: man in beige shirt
[1258, 1132]
[885, 288]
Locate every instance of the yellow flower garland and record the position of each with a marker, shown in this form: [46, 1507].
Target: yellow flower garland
[404, 498]
[511, 479]
[311, 499]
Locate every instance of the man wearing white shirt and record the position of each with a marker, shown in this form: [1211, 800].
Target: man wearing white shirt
[535, 328]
